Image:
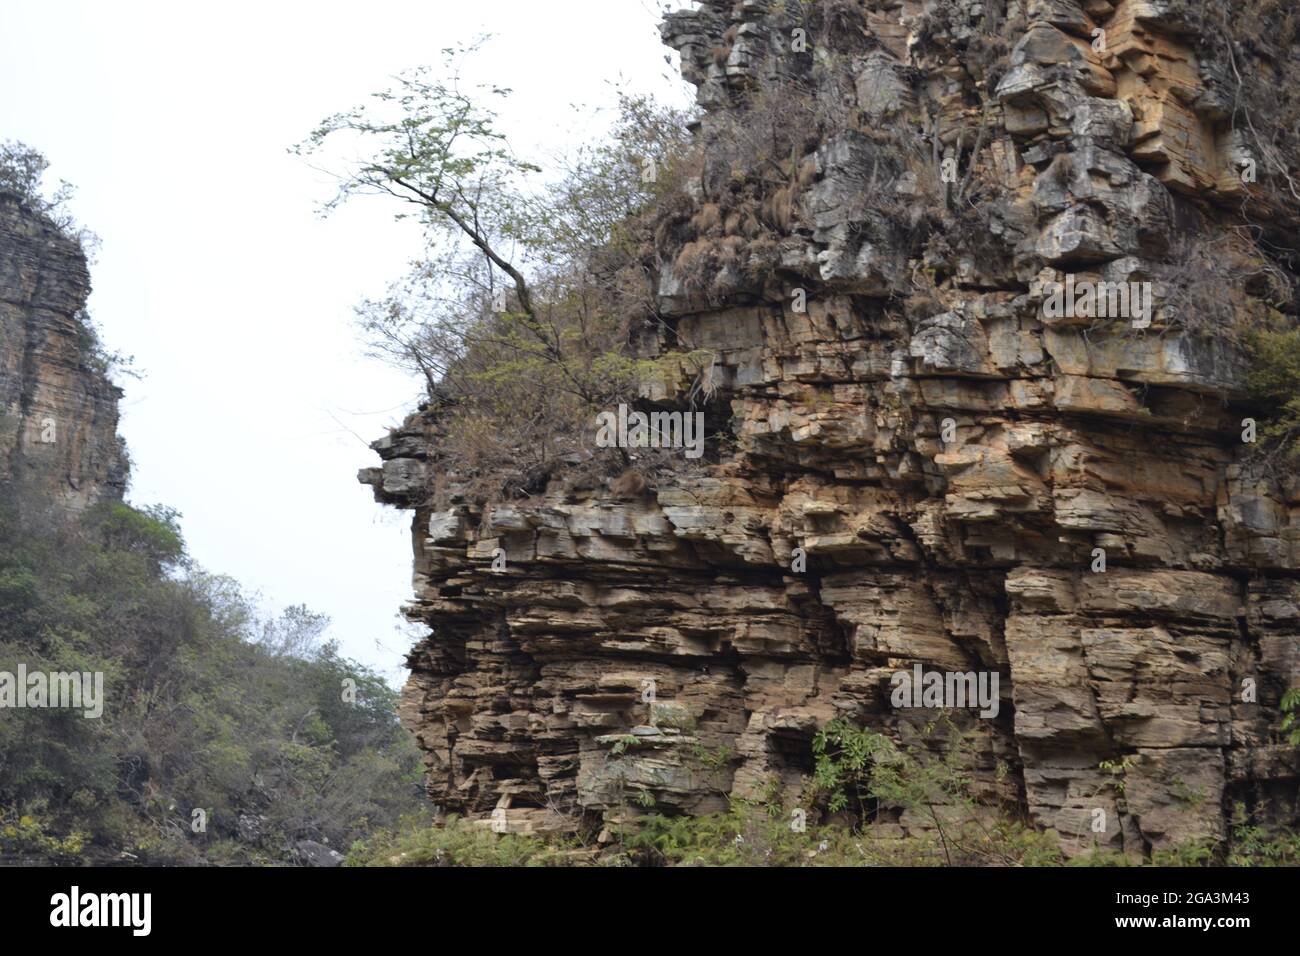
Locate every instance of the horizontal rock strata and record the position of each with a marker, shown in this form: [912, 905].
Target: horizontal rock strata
[58, 409]
[922, 466]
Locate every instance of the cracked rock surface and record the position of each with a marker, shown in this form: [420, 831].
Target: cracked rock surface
[947, 466]
[58, 409]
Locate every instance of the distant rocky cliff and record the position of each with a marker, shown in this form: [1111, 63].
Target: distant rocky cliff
[58, 410]
[921, 462]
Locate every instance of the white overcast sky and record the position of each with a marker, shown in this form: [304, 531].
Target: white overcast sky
[235, 297]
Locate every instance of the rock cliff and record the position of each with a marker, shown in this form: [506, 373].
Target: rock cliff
[58, 409]
[915, 458]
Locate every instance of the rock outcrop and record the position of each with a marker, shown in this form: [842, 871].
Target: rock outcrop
[917, 461]
[58, 409]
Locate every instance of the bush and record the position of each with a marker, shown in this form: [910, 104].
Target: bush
[865, 769]
[207, 705]
[519, 318]
[22, 172]
[416, 841]
[1290, 706]
[1274, 384]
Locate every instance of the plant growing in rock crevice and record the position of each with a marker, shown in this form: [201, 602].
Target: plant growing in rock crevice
[868, 772]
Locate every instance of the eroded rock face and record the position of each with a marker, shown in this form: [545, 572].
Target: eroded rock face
[911, 478]
[58, 411]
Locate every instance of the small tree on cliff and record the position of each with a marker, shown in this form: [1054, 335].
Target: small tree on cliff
[22, 174]
[436, 150]
[517, 317]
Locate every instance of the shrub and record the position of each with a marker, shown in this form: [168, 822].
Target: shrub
[1274, 384]
[22, 174]
[207, 705]
[518, 318]
[416, 841]
[1290, 707]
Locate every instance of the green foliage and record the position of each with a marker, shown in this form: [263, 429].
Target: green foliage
[744, 835]
[435, 146]
[712, 759]
[22, 174]
[1187, 853]
[24, 834]
[1118, 769]
[760, 833]
[764, 832]
[853, 764]
[1250, 844]
[21, 171]
[1290, 721]
[206, 704]
[1274, 383]
[1255, 845]
[622, 745]
[844, 759]
[1098, 857]
[152, 533]
[416, 841]
[855, 768]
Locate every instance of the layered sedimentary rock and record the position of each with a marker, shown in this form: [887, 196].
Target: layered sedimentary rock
[58, 409]
[913, 460]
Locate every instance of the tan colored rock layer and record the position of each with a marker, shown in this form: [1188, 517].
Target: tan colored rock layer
[971, 550]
